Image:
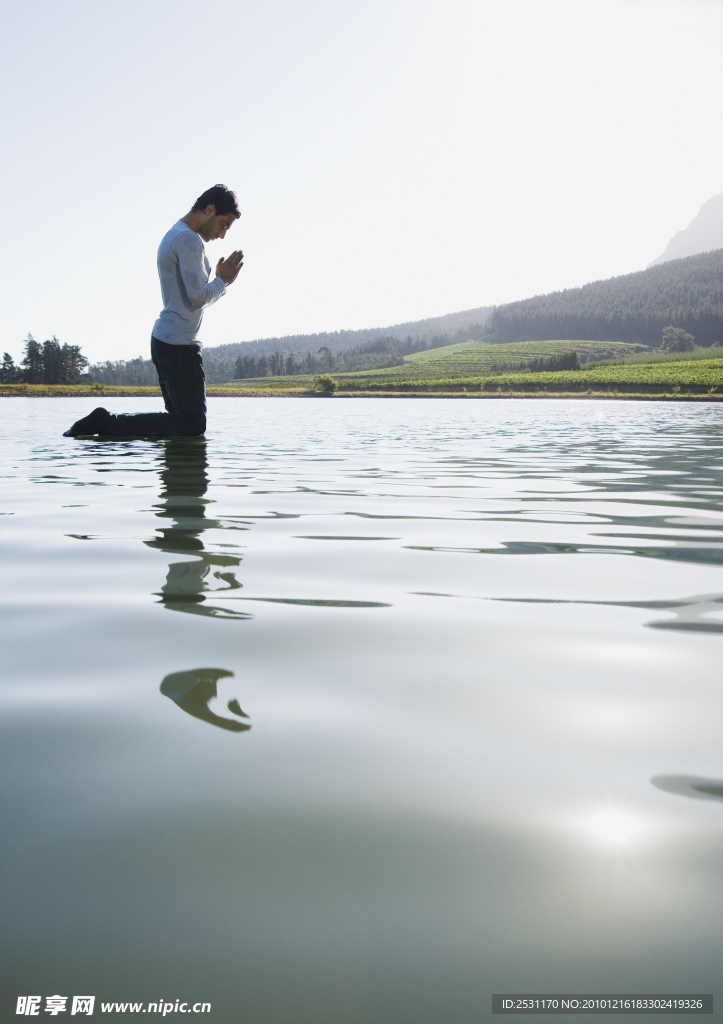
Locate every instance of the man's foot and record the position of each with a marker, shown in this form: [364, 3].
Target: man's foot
[93, 423]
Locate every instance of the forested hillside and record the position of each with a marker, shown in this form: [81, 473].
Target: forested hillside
[685, 293]
[465, 326]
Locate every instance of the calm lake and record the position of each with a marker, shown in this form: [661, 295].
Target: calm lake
[350, 712]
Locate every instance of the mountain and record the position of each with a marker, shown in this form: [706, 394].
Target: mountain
[703, 234]
[685, 293]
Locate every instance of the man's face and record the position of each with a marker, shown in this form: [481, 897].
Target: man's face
[216, 225]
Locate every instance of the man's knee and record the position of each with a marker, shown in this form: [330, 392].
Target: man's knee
[192, 424]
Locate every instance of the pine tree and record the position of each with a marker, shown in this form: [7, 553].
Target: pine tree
[9, 372]
[53, 369]
[32, 362]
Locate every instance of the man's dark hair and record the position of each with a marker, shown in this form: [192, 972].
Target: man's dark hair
[221, 197]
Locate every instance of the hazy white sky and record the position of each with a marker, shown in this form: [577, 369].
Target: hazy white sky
[394, 159]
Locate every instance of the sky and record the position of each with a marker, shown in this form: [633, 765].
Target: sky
[394, 159]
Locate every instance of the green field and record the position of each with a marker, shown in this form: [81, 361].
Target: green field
[468, 359]
[475, 359]
[695, 375]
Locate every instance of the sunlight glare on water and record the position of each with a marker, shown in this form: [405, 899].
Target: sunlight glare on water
[350, 710]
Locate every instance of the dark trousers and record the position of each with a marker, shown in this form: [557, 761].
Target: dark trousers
[183, 385]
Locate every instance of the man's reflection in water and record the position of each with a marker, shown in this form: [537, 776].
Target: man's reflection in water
[193, 690]
[183, 507]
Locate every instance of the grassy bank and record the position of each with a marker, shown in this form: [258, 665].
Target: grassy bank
[72, 390]
[447, 389]
[121, 391]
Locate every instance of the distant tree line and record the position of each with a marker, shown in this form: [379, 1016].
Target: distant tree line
[220, 368]
[380, 352]
[132, 372]
[280, 364]
[371, 355]
[686, 294]
[543, 364]
[46, 363]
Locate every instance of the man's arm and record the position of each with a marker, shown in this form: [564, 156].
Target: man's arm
[200, 291]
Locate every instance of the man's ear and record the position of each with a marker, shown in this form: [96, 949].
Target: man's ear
[210, 210]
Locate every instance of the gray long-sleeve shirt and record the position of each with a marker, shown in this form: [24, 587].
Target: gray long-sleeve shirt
[184, 271]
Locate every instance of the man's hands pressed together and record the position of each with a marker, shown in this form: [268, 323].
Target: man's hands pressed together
[228, 269]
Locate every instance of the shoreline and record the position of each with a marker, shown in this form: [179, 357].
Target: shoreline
[217, 391]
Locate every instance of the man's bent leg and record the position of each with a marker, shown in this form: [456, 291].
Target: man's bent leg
[183, 384]
[182, 380]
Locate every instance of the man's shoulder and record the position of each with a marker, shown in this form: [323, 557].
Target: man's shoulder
[180, 236]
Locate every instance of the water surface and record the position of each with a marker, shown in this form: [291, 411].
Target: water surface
[362, 710]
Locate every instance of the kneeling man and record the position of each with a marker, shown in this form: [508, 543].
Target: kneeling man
[184, 271]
